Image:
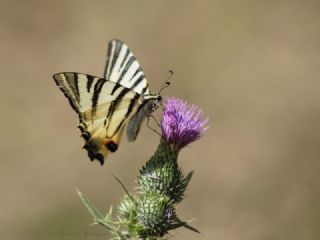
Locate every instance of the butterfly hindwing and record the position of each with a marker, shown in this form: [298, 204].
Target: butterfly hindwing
[103, 107]
[144, 111]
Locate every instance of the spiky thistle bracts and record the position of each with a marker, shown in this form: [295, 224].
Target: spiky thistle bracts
[151, 212]
[162, 174]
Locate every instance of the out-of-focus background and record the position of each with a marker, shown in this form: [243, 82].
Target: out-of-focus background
[253, 66]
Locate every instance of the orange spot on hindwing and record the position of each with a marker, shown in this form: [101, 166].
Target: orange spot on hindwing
[110, 144]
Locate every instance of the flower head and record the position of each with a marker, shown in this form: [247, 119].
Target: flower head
[182, 123]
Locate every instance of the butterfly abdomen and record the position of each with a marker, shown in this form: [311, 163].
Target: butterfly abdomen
[143, 112]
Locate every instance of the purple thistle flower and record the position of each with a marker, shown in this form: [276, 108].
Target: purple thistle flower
[182, 123]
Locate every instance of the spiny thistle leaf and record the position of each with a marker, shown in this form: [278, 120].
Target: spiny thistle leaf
[122, 185]
[108, 216]
[97, 216]
[91, 208]
[186, 225]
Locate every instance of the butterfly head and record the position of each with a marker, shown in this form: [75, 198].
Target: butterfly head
[157, 102]
[152, 102]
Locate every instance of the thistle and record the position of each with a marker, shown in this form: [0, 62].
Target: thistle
[182, 123]
[151, 212]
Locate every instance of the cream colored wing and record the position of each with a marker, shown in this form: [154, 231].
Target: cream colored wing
[122, 67]
[103, 107]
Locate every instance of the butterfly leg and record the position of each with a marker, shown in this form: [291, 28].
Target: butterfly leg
[154, 119]
[150, 127]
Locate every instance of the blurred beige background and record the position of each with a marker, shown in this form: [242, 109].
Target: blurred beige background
[253, 66]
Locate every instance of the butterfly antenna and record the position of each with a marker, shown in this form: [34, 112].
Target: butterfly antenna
[167, 82]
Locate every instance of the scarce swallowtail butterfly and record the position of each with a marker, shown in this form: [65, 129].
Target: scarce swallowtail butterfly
[106, 105]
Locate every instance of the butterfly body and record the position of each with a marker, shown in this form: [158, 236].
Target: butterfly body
[106, 105]
[144, 111]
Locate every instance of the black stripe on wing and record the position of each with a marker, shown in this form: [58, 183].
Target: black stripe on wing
[96, 93]
[114, 107]
[126, 68]
[68, 84]
[115, 54]
[128, 113]
[89, 83]
[76, 85]
[125, 57]
[122, 67]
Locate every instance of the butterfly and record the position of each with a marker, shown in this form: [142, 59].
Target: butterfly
[105, 106]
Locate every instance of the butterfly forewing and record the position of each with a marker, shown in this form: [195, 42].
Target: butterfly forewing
[122, 67]
[103, 107]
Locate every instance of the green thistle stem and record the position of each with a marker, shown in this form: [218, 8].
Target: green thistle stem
[161, 174]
